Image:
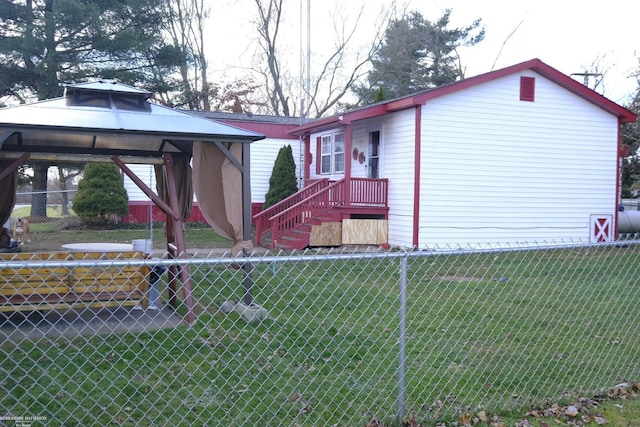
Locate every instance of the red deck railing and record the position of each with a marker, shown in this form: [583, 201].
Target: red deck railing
[320, 196]
[263, 218]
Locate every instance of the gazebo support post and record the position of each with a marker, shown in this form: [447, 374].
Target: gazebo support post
[177, 224]
[14, 165]
[174, 231]
[246, 221]
[173, 271]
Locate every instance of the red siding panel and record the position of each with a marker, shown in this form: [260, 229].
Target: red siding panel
[139, 214]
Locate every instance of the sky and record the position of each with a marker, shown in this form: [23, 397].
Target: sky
[569, 35]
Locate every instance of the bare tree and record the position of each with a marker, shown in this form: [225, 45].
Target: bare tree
[237, 96]
[334, 74]
[185, 29]
[268, 27]
[330, 85]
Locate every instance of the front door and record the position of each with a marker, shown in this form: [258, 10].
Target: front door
[373, 169]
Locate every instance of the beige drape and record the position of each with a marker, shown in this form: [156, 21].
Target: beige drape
[184, 185]
[218, 186]
[8, 188]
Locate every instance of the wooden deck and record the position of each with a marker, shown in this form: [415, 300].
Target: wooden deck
[322, 201]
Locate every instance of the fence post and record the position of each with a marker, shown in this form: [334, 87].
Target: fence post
[401, 337]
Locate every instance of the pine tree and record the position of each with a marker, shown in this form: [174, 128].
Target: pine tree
[45, 44]
[283, 182]
[417, 55]
[101, 193]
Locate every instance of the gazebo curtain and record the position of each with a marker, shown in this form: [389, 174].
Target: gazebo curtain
[184, 185]
[8, 187]
[218, 186]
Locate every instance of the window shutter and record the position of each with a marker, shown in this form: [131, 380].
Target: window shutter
[527, 88]
[318, 154]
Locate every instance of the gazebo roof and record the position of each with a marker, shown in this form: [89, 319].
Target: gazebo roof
[104, 118]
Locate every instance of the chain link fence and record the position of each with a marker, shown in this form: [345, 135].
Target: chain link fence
[28, 224]
[327, 338]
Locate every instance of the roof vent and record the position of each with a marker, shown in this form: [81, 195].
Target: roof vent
[527, 88]
[107, 94]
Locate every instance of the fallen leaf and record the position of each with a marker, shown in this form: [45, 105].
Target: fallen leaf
[410, 421]
[571, 411]
[213, 342]
[466, 419]
[295, 397]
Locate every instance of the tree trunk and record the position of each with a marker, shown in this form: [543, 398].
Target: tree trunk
[39, 198]
[62, 182]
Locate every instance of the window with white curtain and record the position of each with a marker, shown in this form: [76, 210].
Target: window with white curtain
[332, 156]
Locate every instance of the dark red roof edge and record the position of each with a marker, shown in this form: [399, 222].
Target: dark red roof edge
[410, 101]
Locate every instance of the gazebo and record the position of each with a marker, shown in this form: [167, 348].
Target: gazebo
[105, 121]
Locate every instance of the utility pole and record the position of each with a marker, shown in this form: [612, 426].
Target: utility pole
[586, 76]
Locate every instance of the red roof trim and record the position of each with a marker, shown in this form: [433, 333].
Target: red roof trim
[270, 130]
[401, 104]
[535, 65]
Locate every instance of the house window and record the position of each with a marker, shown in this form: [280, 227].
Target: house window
[527, 88]
[338, 153]
[374, 154]
[331, 154]
[325, 155]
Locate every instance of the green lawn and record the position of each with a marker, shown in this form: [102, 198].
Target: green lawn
[51, 235]
[201, 238]
[504, 331]
[53, 211]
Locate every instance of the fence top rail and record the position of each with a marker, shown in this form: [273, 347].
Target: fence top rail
[311, 255]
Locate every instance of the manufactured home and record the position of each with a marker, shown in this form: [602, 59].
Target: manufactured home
[521, 155]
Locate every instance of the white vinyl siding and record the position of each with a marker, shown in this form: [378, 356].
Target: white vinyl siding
[360, 144]
[147, 174]
[499, 170]
[398, 165]
[262, 156]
